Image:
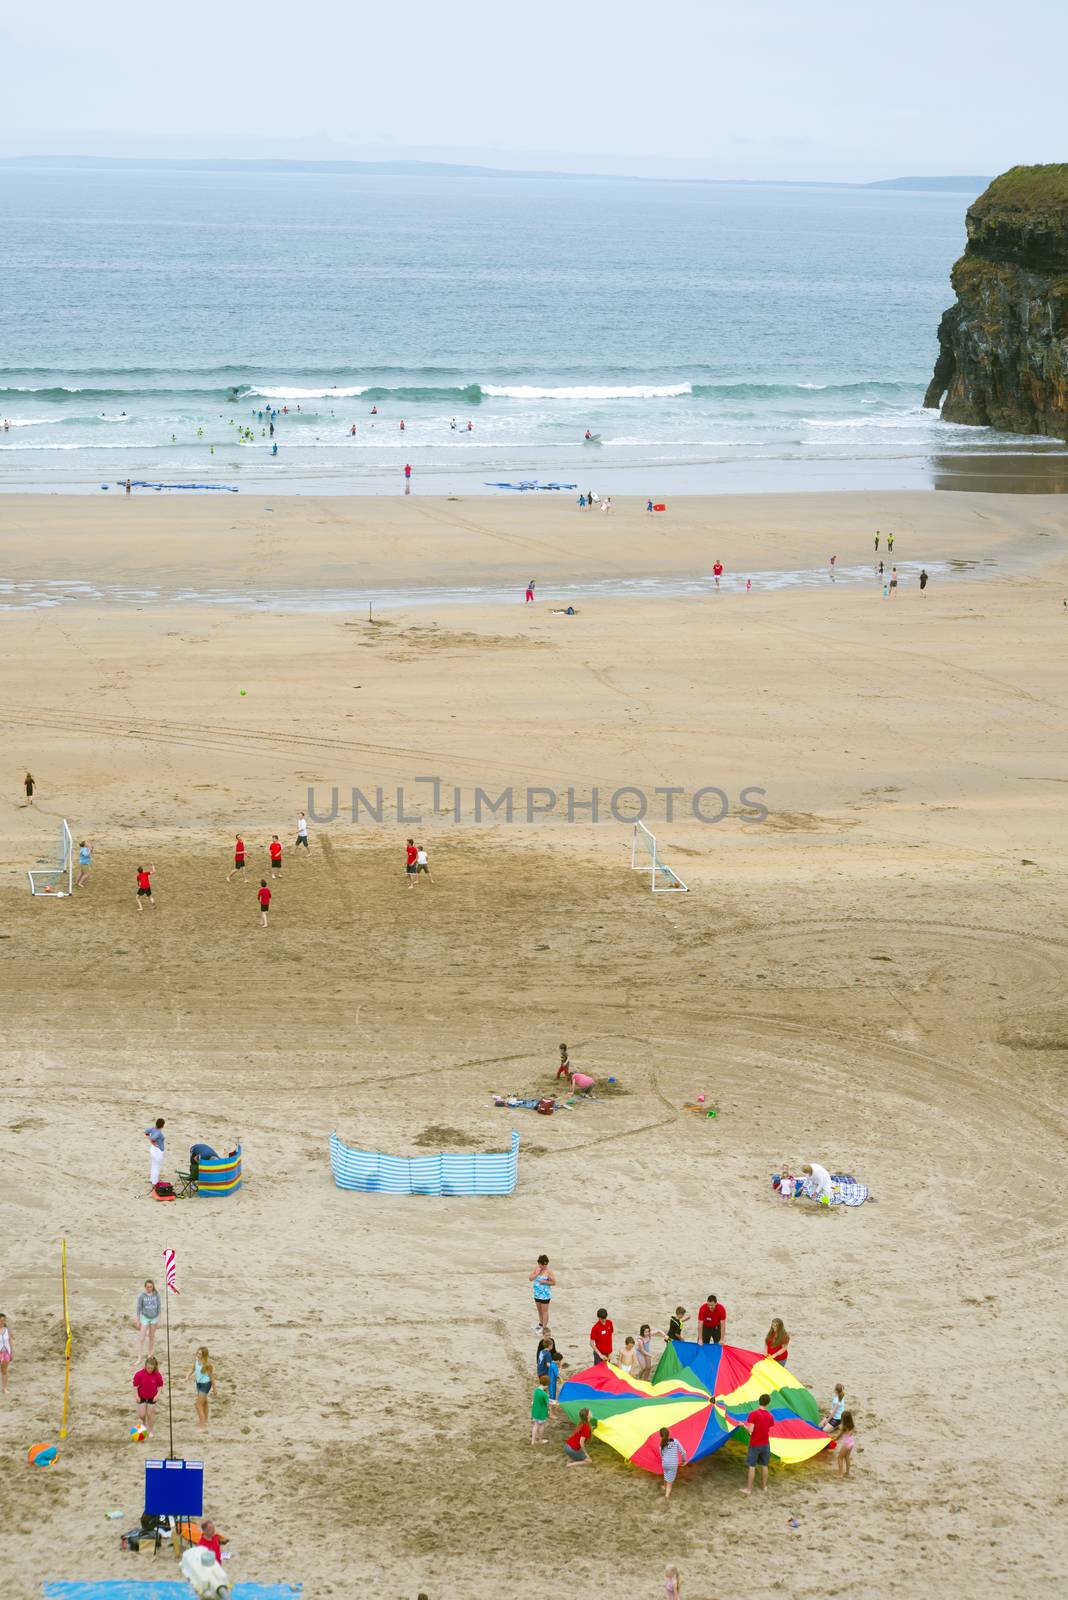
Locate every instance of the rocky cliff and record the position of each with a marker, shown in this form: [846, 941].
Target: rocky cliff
[1003, 348]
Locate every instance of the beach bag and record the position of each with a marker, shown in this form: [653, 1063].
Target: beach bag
[546, 1107]
[164, 1190]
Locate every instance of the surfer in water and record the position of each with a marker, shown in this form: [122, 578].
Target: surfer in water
[374, 411]
[588, 434]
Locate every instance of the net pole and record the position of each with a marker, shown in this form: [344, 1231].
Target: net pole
[170, 1385]
[66, 1324]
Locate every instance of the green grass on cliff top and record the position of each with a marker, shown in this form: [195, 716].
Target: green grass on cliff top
[1030, 187]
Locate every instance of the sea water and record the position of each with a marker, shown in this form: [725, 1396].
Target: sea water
[709, 336]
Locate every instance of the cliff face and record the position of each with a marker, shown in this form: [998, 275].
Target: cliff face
[1003, 348]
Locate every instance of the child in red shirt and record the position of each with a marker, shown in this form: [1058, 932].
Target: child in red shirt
[276, 857]
[411, 854]
[239, 857]
[263, 895]
[144, 886]
[573, 1448]
[759, 1424]
[147, 1382]
[602, 1337]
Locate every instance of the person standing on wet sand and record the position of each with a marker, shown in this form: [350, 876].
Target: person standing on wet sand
[530, 591]
[893, 583]
[924, 579]
[29, 785]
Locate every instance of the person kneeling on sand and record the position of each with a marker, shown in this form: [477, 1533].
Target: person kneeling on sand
[574, 1447]
[581, 1082]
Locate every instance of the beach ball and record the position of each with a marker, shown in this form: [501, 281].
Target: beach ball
[41, 1455]
[138, 1432]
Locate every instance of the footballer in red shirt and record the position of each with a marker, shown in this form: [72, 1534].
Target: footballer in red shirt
[144, 886]
[239, 857]
[263, 895]
[276, 856]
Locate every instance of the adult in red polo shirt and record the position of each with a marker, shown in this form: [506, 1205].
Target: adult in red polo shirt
[602, 1337]
[209, 1540]
[713, 1319]
[760, 1424]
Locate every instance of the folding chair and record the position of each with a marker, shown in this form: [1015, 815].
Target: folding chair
[189, 1182]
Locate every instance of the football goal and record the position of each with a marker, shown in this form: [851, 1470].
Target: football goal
[55, 876]
[644, 857]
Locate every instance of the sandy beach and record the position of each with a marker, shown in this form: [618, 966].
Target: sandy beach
[873, 977]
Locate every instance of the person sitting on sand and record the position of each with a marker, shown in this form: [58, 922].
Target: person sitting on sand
[581, 1082]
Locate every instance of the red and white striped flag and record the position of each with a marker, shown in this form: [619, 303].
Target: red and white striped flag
[168, 1268]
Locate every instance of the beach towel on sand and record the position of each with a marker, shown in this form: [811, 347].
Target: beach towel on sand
[845, 1190]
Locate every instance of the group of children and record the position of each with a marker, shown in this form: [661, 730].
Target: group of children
[635, 1357]
[148, 1379]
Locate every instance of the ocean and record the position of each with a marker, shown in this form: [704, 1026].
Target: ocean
[710, 337]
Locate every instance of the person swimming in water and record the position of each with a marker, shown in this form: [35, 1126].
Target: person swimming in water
[374, 411]
[588, 434]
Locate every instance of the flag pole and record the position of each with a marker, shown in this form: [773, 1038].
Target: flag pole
[170, 1386]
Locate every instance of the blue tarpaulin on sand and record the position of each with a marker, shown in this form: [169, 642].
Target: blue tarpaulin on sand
[160, 1589]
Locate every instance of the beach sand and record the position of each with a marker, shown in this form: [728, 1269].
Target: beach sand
[873, 977]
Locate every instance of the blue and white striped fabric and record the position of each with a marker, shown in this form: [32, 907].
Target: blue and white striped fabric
[373, 1173]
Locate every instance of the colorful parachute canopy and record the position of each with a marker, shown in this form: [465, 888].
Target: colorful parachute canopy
[703, 1394]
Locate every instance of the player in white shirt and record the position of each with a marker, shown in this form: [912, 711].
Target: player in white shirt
[422, 864]
[302, 830]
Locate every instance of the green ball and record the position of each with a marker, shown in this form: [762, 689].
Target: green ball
[243, 691]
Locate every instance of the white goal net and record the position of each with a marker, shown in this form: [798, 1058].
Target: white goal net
[55, 876]
[644, 857]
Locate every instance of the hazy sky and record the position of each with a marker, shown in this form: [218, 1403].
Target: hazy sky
[836, 89]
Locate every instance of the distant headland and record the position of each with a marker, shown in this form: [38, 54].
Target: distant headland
[441, 169]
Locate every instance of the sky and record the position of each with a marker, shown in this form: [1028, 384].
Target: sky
[836, 90]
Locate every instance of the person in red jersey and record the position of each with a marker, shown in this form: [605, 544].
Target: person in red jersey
[144, 887]
[239, 857]
[759, 1424]
[263, 895]
[411, 854]
[717, 571]
[276, 856]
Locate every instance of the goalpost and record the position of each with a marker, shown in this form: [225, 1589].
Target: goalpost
[56, 877]
[644, 857]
